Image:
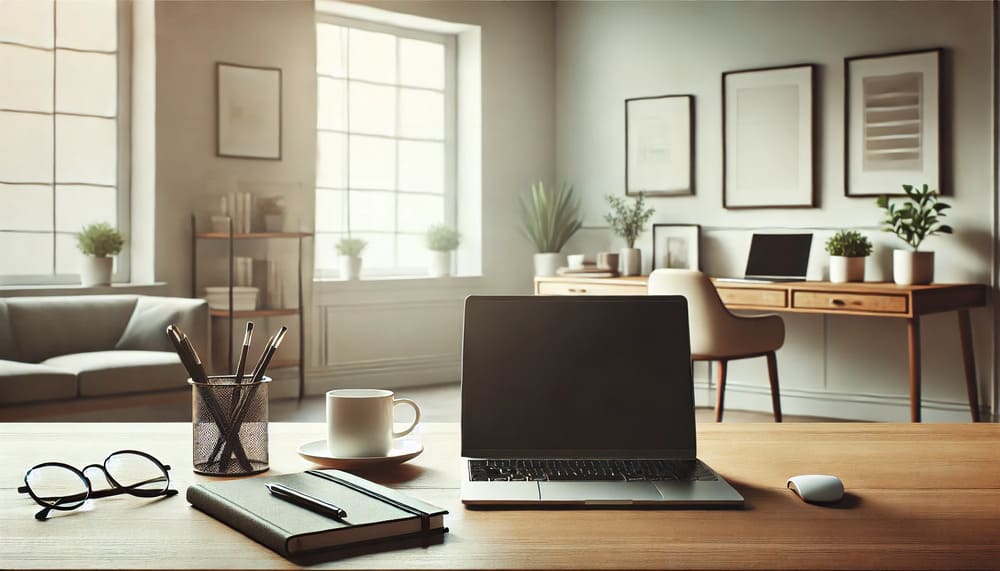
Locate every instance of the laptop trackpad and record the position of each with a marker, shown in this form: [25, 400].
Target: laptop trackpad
[598, 491]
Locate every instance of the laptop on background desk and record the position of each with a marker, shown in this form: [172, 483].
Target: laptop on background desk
[776, 258]
[581, 400]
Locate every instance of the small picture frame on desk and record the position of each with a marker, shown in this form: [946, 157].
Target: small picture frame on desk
[676, 246]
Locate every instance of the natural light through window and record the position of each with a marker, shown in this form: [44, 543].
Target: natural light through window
[385, 149]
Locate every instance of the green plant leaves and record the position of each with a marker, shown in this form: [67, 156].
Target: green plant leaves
[100, 240]
[549, 218]
[917, 218]
[628, 221]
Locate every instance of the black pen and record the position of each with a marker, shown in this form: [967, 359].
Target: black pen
[306, 501]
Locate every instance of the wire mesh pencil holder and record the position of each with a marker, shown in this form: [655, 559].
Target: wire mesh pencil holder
[229, 426]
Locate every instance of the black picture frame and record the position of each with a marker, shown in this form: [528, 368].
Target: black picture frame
[248, 117]
[663, 249]
[644, 119]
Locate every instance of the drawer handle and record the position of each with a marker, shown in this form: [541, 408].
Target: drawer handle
[838, 302]
[574, 290]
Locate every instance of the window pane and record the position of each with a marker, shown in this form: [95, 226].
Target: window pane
[331, 210]
[380, 252]
[331, 103]
[27, 79]
[372, 109]
[331, 160]
[26, 22]
[87, 24]
[421, 64]
[326, 251]
[373, 163]
[331, 50]
[25, 254]
[412, 253]
[372, 56]
[86, 83]
[418, 211]
[28, 156]
[372, 211]
[421, 114]
[25, 207]
[421, 166]
[78, 206]
[86, 150]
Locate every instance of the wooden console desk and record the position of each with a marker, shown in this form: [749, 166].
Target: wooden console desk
[919, 496]
[871, 299]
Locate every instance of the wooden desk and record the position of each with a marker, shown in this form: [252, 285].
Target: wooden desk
[871, 299]
[920, 497]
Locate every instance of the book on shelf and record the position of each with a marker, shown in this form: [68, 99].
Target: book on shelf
[375, 513]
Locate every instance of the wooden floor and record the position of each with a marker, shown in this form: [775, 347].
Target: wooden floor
[438, 403]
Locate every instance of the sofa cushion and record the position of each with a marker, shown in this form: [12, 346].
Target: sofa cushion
[44, 327]
[147, 328]
[103, 373]
[26, 382]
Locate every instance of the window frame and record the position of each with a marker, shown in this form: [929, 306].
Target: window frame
[450, 92]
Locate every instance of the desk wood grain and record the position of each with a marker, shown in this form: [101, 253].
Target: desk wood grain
[920, 497]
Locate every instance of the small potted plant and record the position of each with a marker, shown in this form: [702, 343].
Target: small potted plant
[848, 250]
[548, 220]
[916, 219]
[627, 220]
[442, 240]
[99, 243]
[349, 257]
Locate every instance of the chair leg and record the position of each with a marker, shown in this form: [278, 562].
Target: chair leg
[772, 373]
[720, 390]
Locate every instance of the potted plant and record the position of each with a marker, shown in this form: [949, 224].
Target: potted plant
[916, 219]
[848, 250]
[627, 221]
[99, 243]
[442, 240]
[349, 251]
[548, 220]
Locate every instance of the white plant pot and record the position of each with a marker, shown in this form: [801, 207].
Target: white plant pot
[350, 267]
[547, 263]
[912, 268]
[439, 263]
[847, 269]
[95, 271]
[631, 261]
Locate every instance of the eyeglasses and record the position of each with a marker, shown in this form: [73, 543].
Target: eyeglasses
[58, 486]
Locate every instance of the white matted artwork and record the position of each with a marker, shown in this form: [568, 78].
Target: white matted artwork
[767, 133]
[248, 111]
[676, 246]
[659, 149]
[892, 122]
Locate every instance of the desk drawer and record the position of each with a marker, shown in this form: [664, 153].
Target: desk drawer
[827, 301]
[569, 288]
[751, 296]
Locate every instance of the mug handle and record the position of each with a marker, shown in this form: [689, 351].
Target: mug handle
[416, 417]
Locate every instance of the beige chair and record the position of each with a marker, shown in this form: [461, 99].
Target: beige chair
[717, 334]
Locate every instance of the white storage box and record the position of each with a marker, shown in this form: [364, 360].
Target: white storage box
[244, 298]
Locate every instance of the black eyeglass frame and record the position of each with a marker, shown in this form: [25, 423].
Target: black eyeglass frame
[115, 490]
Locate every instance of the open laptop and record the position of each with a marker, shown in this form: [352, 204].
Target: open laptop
[581, 400]
[776, 258]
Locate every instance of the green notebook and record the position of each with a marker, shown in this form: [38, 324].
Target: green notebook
[374, 512]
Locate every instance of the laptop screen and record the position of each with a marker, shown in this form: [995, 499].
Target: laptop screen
[779, 256]
[577, 376]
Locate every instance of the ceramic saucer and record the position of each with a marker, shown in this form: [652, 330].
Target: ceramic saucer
[402, 450]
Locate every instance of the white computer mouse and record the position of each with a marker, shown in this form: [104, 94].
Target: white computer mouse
[817, 488]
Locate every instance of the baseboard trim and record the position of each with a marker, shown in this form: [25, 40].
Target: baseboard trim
[385, 373]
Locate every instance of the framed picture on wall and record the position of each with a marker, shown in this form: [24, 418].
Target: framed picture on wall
[659, 145]
[892, 122]
[248, 111]
[676, 246]
[767, 132]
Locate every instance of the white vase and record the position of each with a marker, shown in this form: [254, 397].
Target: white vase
[350, 267]
[547, 264]
[631, 261]
[439, 263]
[95, 271]
[912, 268]
[847, 269]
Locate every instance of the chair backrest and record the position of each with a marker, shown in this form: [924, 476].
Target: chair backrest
[709, 320]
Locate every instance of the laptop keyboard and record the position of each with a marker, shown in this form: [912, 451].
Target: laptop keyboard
[512, 470]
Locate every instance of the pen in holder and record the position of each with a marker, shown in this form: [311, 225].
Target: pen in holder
[229, 426]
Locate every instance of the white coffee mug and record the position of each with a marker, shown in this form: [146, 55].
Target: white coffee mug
[359, 422]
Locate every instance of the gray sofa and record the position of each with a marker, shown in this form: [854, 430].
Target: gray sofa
[70, 347]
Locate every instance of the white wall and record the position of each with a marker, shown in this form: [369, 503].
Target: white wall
[841, 366]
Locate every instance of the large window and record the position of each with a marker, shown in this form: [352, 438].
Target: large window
[385, 143]
[59, 133]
